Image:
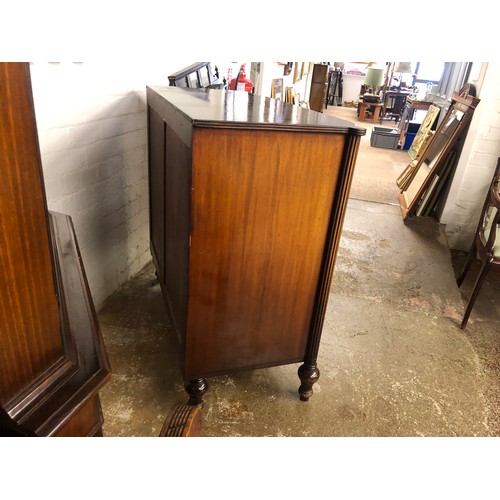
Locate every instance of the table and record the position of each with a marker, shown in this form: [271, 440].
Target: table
[362, 107]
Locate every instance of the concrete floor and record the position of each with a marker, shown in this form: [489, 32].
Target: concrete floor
[376, 168]
[393, 359]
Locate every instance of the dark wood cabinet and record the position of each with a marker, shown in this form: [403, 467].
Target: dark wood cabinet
[52, 357]
[319, 87]
[247, 200]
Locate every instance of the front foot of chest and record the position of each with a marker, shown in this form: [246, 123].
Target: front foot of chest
[196, 388]
[309, 375]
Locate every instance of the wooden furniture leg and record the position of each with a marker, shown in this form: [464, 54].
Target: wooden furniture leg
[309, 375]
[376, 113]
[362, 111]
[196, 389]
[475, 291]
[468, 262]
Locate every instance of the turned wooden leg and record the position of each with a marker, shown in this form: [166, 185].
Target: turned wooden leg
[196, 388]
[468, 262]
[362, 112]
[309, 375]
[475, 292]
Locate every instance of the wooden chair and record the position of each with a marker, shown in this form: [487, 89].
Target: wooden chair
[184, 421]
[486, 242]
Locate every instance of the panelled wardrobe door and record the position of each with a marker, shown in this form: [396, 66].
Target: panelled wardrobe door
[52, 357]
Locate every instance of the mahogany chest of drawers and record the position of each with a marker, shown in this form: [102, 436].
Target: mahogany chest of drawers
[247, 200]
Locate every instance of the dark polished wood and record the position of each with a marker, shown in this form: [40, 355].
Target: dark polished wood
[196, 388]
[246, 225]
[309, 375]
[319, 87]
[52, 357]
[183, 421]
[86, 422]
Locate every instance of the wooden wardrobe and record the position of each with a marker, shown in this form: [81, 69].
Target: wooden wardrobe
[52, 358]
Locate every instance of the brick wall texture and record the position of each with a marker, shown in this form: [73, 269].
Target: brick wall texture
[93, 140]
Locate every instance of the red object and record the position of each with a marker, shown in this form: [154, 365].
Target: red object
[241, 82]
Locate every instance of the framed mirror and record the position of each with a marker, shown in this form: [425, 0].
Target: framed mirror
[425, 132]
[431, 173]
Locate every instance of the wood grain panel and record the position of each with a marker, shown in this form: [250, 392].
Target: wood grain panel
[261, 207]
[52, 356]
[86, 422]
[156, 141]
[30, 340]
[177, 226]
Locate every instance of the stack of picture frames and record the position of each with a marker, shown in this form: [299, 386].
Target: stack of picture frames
[435, 154]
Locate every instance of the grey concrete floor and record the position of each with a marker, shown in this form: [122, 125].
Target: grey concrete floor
[393, 359]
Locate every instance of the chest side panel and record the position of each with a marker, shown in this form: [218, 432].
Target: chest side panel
[261, 203]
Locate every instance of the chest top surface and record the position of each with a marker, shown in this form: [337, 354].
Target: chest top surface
[223, 108]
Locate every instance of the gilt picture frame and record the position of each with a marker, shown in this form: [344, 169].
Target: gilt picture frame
[277, 88]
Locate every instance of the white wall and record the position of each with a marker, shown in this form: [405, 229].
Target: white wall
[351, 87]
[272, 70]
[476, 165]
[91, 122]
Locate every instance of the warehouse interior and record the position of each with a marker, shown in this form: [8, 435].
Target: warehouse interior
[394, 362]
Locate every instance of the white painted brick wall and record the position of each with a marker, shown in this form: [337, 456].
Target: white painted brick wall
[91, 122]
[476, 165]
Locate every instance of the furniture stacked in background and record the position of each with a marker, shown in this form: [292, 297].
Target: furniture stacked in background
[51, 351]
[371, 109]
[425, 181]
[197, 75]
[335, 87]
[319, 87]
[407, 131]
[247, 201]
[393, 104]
[394, 96]
[368, 110]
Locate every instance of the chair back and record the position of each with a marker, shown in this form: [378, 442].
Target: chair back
[489, 225]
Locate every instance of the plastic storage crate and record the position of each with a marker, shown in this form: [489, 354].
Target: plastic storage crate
[384, 137]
